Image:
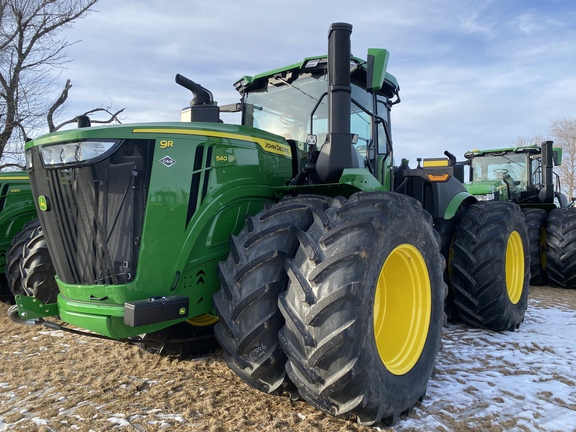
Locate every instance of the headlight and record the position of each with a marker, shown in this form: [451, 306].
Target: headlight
[485, 197]
[28, 155]
[69, 153]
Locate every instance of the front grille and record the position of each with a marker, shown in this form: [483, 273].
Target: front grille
[94, 221]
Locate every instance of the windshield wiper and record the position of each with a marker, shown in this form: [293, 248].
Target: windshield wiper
[297, 88]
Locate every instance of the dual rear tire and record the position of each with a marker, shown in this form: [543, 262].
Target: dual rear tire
[561, 248]
[251, 279]
[346, 307]
[552, 240]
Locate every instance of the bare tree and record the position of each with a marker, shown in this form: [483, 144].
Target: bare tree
[82, 117]
[31, 48]
[563, 132]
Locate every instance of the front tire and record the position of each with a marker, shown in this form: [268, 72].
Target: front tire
[252, 278]
[364, 308]
[38, 269]
[30, 270]
[561, 247]
[14, 257]
[490, 266]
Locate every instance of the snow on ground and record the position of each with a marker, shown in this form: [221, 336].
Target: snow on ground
[522, 381]
[514, 381]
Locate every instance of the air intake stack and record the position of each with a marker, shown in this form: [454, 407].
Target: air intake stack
[337, 153]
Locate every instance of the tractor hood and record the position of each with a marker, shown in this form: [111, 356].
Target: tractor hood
[487, 189]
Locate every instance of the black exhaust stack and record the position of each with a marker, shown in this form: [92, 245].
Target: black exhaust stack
[337, 152]
[546, 194]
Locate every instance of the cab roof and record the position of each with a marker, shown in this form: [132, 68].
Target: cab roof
[502, 151]
[310, 66]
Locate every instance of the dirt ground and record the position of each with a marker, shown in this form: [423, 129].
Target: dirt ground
[52, 381]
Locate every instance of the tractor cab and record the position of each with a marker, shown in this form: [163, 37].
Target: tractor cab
[499, 174]
[523, 175]
[333, 114]
[293, 102]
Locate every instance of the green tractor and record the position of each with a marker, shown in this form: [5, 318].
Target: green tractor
[18, 225]
[525, 176]
[283, 235]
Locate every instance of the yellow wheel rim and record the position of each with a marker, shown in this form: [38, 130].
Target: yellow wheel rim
[514, 267]
[202, 320]
[402, 309]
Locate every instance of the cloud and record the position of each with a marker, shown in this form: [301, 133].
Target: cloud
[472, 73]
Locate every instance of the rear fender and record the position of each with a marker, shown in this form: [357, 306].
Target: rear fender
[439, 192]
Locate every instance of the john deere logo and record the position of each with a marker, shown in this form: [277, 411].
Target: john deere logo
[43, 204]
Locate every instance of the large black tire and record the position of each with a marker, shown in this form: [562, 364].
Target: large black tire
[491, 266]
[561, 248]
[38, 270]
[29, 268]
[364, 308]
[13, 269]
[536, 225]
[252, 277]
[446, 229]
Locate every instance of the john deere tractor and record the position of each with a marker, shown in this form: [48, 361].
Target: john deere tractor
[525, 176]
[284, 234]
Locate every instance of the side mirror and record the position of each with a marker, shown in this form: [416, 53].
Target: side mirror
[557, 156]
[376, 66]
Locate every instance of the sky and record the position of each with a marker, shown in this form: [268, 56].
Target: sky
[473, 74]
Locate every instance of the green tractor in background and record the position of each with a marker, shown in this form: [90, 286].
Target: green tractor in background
[314, 260]
[525, 176]
[20, 227]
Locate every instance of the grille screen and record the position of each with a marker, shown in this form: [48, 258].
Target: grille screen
[94, 222]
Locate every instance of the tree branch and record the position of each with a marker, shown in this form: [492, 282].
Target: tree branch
[61, 99]
[113, 117]
[31, 46]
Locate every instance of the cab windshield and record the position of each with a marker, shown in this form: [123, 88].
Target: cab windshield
[501, 167]
[286, 110]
